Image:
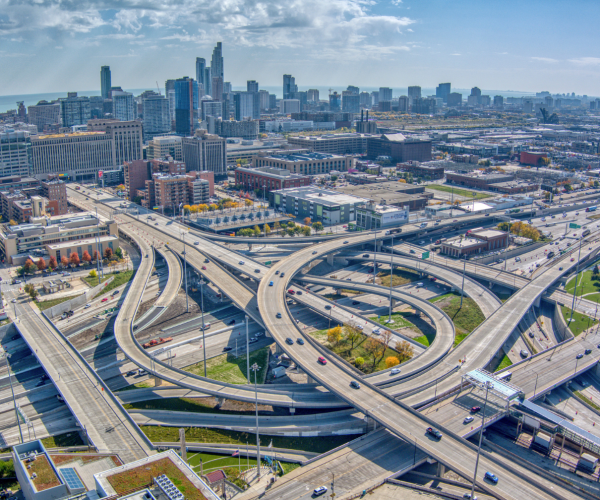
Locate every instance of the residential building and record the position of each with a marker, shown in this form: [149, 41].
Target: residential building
[207, 81]
[157, 116]
[403, 104]
[443, 90]
[399, 148]
[211, 108]
[252, 86]
[246, 129]
[321, 205]
[304, 163]
[264, 99]
[454, 99]
[216, 63]
[350, 102]
[74, 110]
[105, 82]
[414, 92]
[287, 106]
[136, 173]
[338, 144]
[204, 151]
[123, 106]
[485, 101]
[498, 102]
[200, 73]
[478, 241]
[371, 216]
[205, 176]
[186, 106]
[385, 94]
[247, 105]
[170, 191]
[353, 89]
[15, 153]
[217, 88]
[165, 146]
[424, 106]
[268, 178]
[289, 86]
[44, 113]
[313, 95]
[56, 190]
[335, 102]
[198, 190]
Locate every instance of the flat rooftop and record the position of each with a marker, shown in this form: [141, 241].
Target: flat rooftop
[464, 243]
[81, 243]
[488, 233]
[322, 196]
[297, 157]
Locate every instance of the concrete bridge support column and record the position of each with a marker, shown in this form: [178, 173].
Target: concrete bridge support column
[310, 380]
[158, 381]
[249, 247]
[379, 245]
[278, 349]
[490, 285]
[371, 424]
[537, 301]
[220, 401]
[330, 259]
[292, 410]
[441, 469]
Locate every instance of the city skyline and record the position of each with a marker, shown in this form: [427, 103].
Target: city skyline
[345, 42]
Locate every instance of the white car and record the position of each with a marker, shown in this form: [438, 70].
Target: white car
[87, 305]
[241, 262]
[395, 371]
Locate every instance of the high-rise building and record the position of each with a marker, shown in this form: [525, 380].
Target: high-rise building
[15, 148]
[56, 190]
[352, 89]
[207, 81]
[247, 105]
[403, 104]
[126, 138]
[424, 106]
[44, 113]
[123, 106]
[211, 108]
[217, 88]
[454, 99]
[335, 102]
[264, 99]
[365, 100]
[227, 88]
[475, 91]
[157, 116]
[252, 86]
[204, 151]
[375, 98]
[161, 147]
[105, 82]
[350, 102]
[272, 101]
[385, 94]
[186, 106]
[498, 102]
[169, 85]
[200, 71]
[313, 95]
[216, 63]
[289, 86]
[414, 92]
[74, 110]
[443, 91]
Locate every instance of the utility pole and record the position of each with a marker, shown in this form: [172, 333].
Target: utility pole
[255, 368]
[487, 387]
[203, 327]
[375, 258]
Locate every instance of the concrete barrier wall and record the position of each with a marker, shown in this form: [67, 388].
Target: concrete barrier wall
[560, 324]
[58, 309]
[511, 253]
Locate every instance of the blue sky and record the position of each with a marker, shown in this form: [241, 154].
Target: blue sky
[526, 45]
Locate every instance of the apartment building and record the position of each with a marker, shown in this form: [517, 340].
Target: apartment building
[204, 151]
[15, 151]
[165, 146]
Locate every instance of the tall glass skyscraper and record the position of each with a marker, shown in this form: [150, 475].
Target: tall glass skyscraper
[216, 63]
[186, 106]
[105, 82]
[200, 71]
[289, 86]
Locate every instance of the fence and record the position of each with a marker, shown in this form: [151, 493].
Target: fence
[58, 309]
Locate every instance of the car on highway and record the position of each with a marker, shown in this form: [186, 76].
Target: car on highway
[206, 261]
[517, 259]
[354, 384]
[104, 299]
[289, 341]
[277, 272]
[278, 315]
[232, 322]
[322, 360]
[196, 242]
[572, 259]
[14, 301]
[116, 292]
[579, 356]
[420, 284]
[366, 255]
[270, 283]
[253, 340]
[328, 307]
[282, 275]
[156, 223]
[475, 409]
[588, 351]
[491, 477]
[291, 292]
[345, 242]
[87, 306]
[257, 270]
[299, 292]
[66, 274]
[467, 496]
[355, 302]
[560, 268]
[412, 251]
[227, 348]
[300, 341]
[524, 353]
[394, 371]
[434, 432]
[205, 327]
[317, 492]
[203, 268]
[314, 252]
[468, 419]
[241, 262]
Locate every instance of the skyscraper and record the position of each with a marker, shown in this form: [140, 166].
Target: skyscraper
[186, 106]
[350, 102]
[74, 110]
[443, 90]
[157, 116]
[385, 94]
[289, 86]
[353, 89]
[313, 95]
[200, 70]
[217, 88]
[105, 82]
[335, 102]
[252, 86]
[216, 63]
[123, 106]
[365, 100]
[414, 92]
[247, 105]
[207, 81]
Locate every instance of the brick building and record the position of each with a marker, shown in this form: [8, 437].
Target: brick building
[270, 178]
[532, 158]
[477, 241]
[420, 170]
[56, 191]
[305, 163]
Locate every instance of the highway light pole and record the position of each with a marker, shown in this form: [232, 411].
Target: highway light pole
[391, 278]
[187, 305]
[247, 351]
[375, 258]
[255, 368]
[7, 356]
[576, 278]
[487, 387]
[202, 283]
[462, 288]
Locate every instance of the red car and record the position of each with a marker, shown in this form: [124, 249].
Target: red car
[104, 299]
[291, 292]
[572, 259]
[204, 268]
[322, 360]
[475, 409]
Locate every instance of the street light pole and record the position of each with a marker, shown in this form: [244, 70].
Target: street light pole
[487, 387]
[462, 288]
[391, 278]
[576, 278]
[7, 356]
[255, 368]
[247, 351]
[187, 305]
[203, 327]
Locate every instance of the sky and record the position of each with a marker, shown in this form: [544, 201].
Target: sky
[525, 45]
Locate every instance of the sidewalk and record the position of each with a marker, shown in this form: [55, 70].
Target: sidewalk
[257, 486]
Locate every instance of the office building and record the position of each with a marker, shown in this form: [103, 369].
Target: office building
[246, 105]
[217, 88]
[246, 129]
[216, 63]
[204, 151]
[165, 146]
[321, 205]
[390, 193]
[127, 139]
[336, 144]
[211, 108]
[15, 151]
[476, 91]
[289, 86]
[498, 102]
[263, 99]
[443, 91]
[287, 106]
[207, 82]
[375, 98]
[350, 102]
[365, 100]
[398, 148]
[74, 110]
[44, 113]
[123, 106]
[424, 106]
[301, 96]
[157, 116]
[313, 95]
[252, 86]
[186, 106]
[454, 99]
[200, 73]
[414, 92]
[105, 82]
[483, 240]
[485, 101]
[335, 102]
[403, 104]
[385, 94]
[304, 163]
[371, 216]
[169, 85]
[268, 178]
[352, 89]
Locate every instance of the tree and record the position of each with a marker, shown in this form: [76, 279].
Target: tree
[186, 209]
[359, 361]
[119, 252]
[96, 255]
[306, 231]
[108, 253]
[376, 349]
[86, 257]
[29, 266]
[353, 335]
[121, 187]
[12, 222]
[290, 231]
[74, 259]
[317, 226]
[267, 229]
[137, 199]
[93, 274]
[391, 361]
[41, 264]
[30, 289]
[334, 335]
[64, 262]
[405, 351]
[203, 207]
[595, 271]
[256, 231]
[248, 202]
[276, 226]
[307, 221]
[52, 264]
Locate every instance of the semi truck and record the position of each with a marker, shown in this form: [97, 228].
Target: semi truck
[155, 342]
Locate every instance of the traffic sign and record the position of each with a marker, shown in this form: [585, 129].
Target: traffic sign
[572, 225]
[100, 174]
[425, 255]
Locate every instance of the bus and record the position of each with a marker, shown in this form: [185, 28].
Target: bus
[591, 209]
[585, 233]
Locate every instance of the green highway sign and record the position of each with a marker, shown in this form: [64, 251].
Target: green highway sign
[572, 225]
[425, 255]
[268, 263]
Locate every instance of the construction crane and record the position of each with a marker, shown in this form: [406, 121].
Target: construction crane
[158, 88]
[330, 91]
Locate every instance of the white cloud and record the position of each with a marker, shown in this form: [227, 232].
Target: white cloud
[456, 54]
[545, 59]
[586, 61]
